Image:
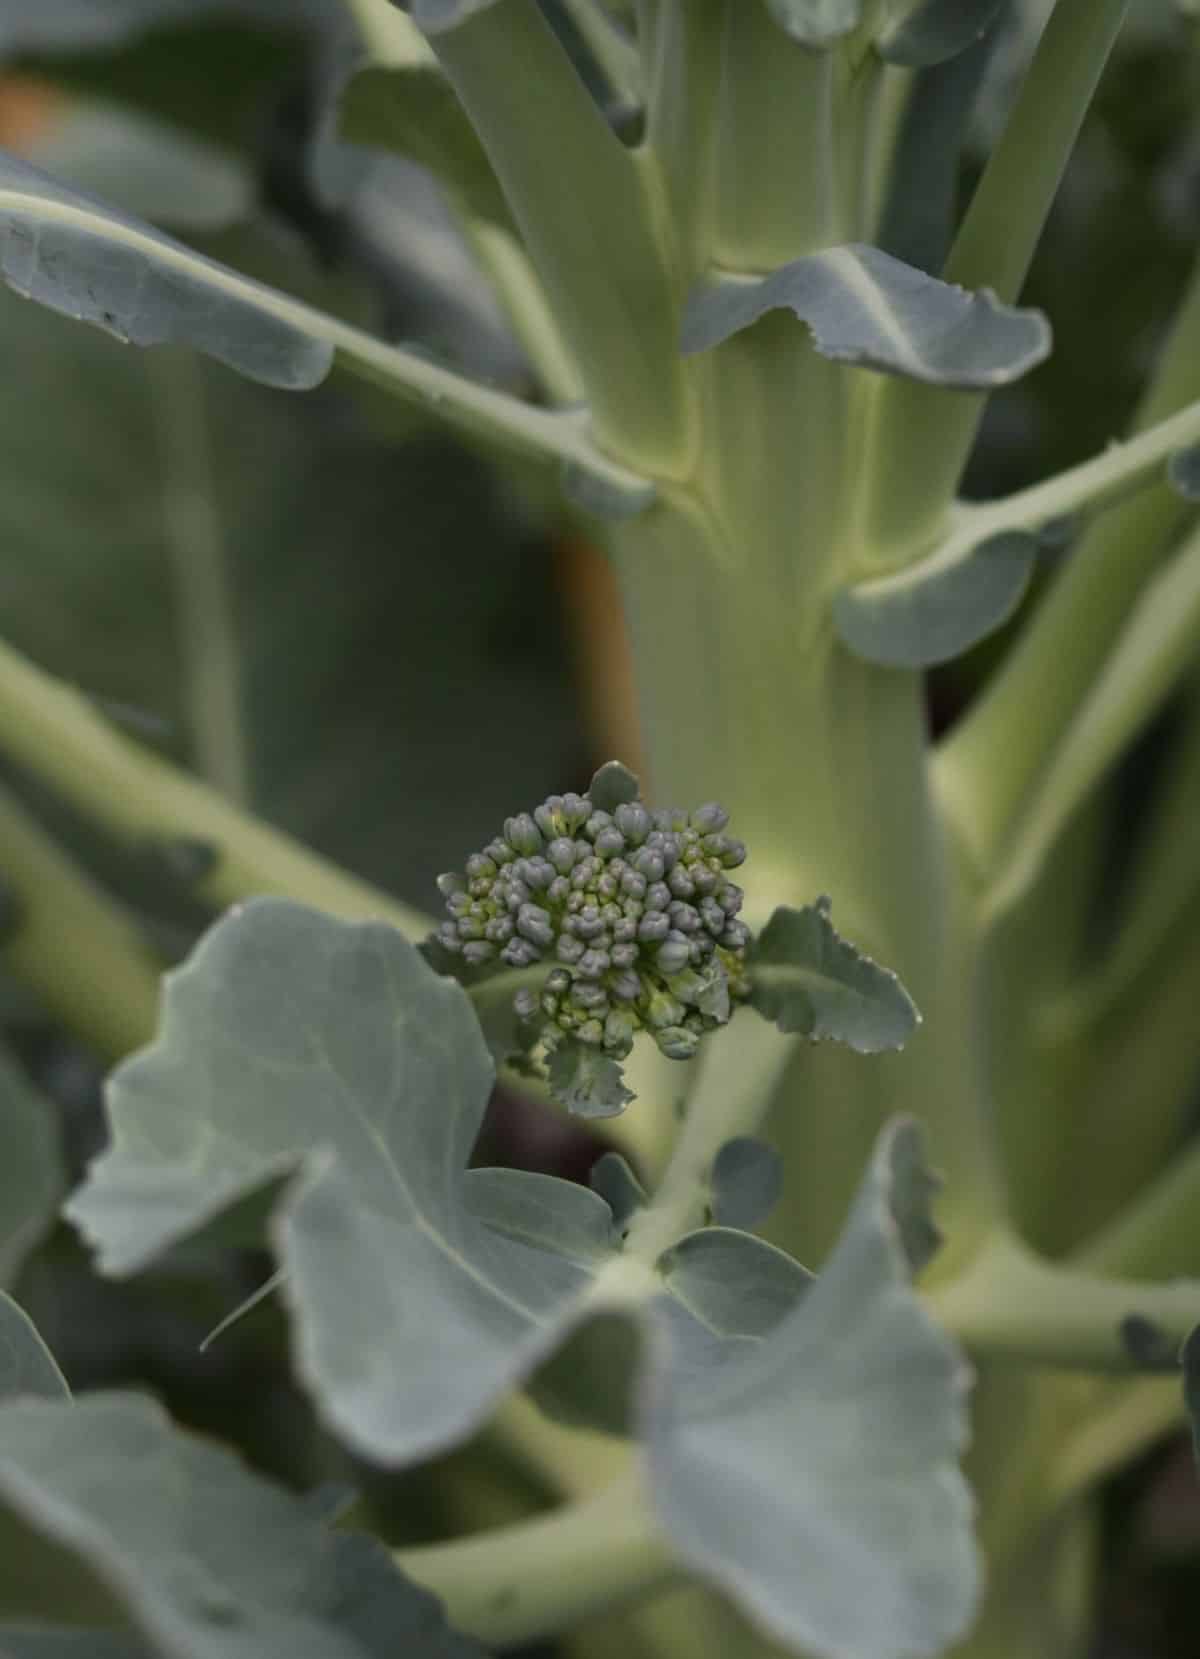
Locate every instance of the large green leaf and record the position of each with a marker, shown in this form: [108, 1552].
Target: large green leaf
[30, 1167]
[421, 1291]
[77, 256]
[843, 1523]
[205, 1559]
[938, 608]
[810, 980]
[292, 1040]
[26, 1364]
[865, 307]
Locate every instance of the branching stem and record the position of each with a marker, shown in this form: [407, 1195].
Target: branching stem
[537, 1578]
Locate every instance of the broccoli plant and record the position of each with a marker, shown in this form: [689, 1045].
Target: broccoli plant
[766, 1382]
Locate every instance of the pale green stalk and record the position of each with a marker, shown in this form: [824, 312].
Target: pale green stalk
[79, 952]
[536, 1578]
[998, 755]
[57, 735]
[926, 435]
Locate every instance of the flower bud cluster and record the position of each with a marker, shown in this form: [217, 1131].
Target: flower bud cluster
[632, 911]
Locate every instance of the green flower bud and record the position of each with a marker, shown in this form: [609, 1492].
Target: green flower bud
[522, 834]
[677, 1042]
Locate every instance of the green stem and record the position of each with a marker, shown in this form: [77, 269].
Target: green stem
[55, 734]
[928, 433]
[614, 53]
[1156, 647]
[774, 202]
[536, 1578]
[998, 754]
[1011, 1305]
[683, 50]
[77, 950]
[738, 1075]
[1159, 1233]
[589, 222]
[195, 543]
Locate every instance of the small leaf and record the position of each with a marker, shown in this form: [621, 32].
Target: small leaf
[587, 1081]
[1183, 473]
[26, 1364]
[814, 1474]
[1148, 1345]
[816, 22]
[541, 1210]
[613, 785]
[204, 1557]
[738, 1285]
[91, 263]
[747, 1178]
[939, 608]
[865, 307]
[30, 1167]
[611, 1177]
[934, 30]
[809, 980]
[436, 17]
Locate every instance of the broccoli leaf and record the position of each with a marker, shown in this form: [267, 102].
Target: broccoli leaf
[934, 30]
[843, 1521]
[26, 1364]
[865, 307]
[587, 1081]
[200, 1555]
[808, 979]
[747, 1176]
[296, 1045]
[940, 607]
[1190, 1358]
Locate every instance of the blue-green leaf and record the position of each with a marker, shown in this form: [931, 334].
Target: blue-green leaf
[26, 1364]
[291, 1041]
[1183, 473]
[436, 17]
[935, 610]
[614, 1181]
[865, 307]
[30, 1168]
[612, 786]
[205, 1559]
[587, 1081]
[816, 22]
[934, 30]
[843, 1523]
[747, 1177]
[809, 980]
[88, 261]
[541, 1210]
[736, 1284]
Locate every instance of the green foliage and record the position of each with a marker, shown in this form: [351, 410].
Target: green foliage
[751, 269]
[808, 979]
[198, 1556]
